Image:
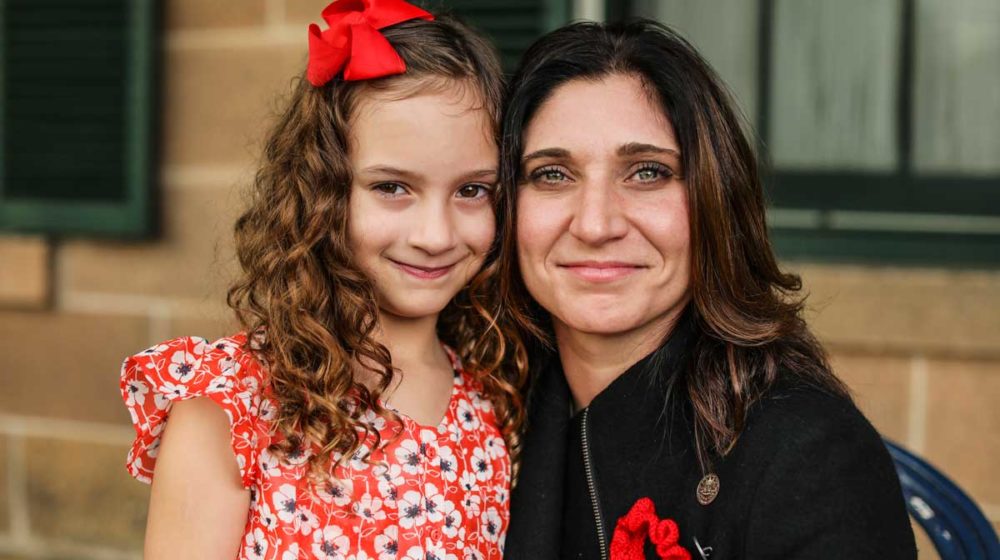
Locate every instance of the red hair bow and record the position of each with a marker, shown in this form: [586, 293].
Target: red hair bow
[353, 43]
[641, 521]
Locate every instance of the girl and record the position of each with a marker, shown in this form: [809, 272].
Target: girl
[350, 430]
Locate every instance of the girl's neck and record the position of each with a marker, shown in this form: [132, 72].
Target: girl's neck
[412, 343]
[591, 362]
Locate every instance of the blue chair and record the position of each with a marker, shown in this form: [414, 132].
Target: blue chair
[958, 529]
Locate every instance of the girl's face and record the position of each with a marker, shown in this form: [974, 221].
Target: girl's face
[602, 219]
[421, 218]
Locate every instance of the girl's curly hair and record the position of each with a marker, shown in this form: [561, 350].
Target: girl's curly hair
[317, 310]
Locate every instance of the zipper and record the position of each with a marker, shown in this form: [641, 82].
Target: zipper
[592, 487]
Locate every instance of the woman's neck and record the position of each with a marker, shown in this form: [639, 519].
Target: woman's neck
[592, 361]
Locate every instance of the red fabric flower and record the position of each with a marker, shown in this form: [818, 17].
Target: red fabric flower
[353, 42]
[631, 531]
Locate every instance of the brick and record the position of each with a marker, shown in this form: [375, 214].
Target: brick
[199, 14]
[80, 492]
[193, 258]
[951, 312]
[881, 389]
[211, 328]
[219, 102]
[66, 365]
[24, 272]
[304, 11]
[963, 424]
[4, 496]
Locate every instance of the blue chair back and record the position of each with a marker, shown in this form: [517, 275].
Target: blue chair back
[954, 523]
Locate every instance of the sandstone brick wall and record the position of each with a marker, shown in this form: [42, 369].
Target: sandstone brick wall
[921, 347]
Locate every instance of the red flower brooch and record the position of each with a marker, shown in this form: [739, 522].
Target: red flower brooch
[353, 42]
[629, 540]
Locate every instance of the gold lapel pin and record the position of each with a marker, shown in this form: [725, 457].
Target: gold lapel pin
[708, 489]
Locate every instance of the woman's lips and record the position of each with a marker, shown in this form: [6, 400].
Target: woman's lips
[601, 271]
[423, 272]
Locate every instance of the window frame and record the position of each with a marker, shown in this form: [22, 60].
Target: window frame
[134, 215]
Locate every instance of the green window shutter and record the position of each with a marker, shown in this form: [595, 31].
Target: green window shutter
[512, 24]
[76, 98]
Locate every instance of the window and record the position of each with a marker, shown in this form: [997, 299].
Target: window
[76, 94]
[879, 118]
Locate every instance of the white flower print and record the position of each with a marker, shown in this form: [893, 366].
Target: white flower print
[387, 544]
[479, 402]
[468, 481]
[359, 459]
[433, 501]
[172, 391]
[336, 491]
[182, 365]
[490, 525]
[472, 554]
[267, 410]
[481, 464]
[436, 551]
[467, 416]
[447, 464]
[229, 366]
[414, 553]
[374, 420]
[411, 510]
[361, 555]
[390, 478]
[220, 384]
[305, 521]
[408, 455]
[495, 446]
[369, 508]
[472, 504]
[330, 542]
[501, 495]
[266, 516]
[427, 440]
[292, 553]
[452, 519]
[160, 400]
[255, 545]
[284, 502]
[270, 464]
[136, 391]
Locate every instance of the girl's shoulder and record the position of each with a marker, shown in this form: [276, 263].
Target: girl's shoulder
[225, 371]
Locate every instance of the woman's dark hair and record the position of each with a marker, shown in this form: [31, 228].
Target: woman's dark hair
[746, 313]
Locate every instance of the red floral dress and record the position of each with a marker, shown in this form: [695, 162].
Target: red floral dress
[435, 492]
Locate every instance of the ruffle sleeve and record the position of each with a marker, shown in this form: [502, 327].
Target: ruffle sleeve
[189, 367]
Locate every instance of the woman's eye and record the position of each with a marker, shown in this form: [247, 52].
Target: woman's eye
[652, 172]
[390, 189]
[473, 191]
[548, 175]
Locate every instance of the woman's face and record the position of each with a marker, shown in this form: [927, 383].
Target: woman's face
[421, 218]
[602, 219]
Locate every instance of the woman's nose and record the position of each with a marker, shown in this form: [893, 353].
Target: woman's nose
[598, 217]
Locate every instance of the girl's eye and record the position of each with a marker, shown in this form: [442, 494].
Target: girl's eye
[473, 191]
[550, 175]
[651, 172]
[390, 189]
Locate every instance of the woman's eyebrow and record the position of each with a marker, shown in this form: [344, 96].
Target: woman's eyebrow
[635, 148]
[545, 153]
[390, 171]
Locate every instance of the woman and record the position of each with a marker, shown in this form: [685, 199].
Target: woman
[687, 385]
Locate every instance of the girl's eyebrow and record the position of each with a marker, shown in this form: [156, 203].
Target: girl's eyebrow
[545, 153]
[392, 171]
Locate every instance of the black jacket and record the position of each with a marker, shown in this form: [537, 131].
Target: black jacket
[809, 478]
